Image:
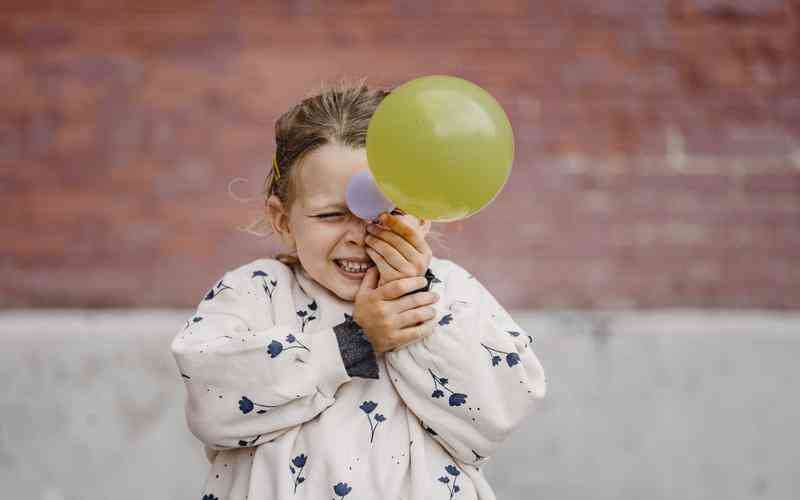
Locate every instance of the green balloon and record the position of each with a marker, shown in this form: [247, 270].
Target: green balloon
[440, 147]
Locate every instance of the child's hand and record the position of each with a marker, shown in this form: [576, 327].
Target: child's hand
[400, 252]
[389, 320]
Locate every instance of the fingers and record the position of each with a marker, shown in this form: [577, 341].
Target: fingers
[413, 301]
[395, 249]
[370, 281]
[385, 270]
[408, 336]
[409, 233]
[415, 316]
[402, 286]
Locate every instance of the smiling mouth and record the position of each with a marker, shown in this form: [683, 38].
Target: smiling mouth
[356, 269]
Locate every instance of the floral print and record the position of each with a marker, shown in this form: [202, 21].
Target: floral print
[456, 398]
[299, 461]
[218, 289]
[246, 405]
[368, 407]
[342, 490]
[512, 358]
[275, 348]
[307, 315]
[265, 283]
[451, 470]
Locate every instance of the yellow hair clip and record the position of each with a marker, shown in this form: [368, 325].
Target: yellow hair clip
[275, 165]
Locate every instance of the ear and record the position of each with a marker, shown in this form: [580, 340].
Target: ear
[279, 219]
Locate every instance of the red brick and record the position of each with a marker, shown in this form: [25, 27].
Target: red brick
[656, 164]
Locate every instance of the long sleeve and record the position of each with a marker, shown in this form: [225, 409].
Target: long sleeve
[476, 378]
[245, 385]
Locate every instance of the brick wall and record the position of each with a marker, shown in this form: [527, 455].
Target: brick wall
[658, 142]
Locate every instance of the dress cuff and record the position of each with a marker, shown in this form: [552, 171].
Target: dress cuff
[356, 350]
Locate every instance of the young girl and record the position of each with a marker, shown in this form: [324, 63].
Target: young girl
[358, 365]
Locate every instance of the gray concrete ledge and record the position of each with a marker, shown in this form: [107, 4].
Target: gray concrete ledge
[670, 404]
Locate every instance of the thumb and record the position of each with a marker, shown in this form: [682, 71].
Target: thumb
[370, 281]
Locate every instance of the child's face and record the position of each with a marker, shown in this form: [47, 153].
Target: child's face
[320, 226]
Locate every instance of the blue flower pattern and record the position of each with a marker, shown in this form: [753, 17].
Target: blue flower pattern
[307, 315]
[210, 497]
[368, 407]
[342, 490]
[265, 283]
[275, 348]
[218, 289]
[246, 405]
[299, 461]
[456, 398]
[512, 358]
[451, 470]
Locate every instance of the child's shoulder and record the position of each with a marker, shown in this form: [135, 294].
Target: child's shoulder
[454, 282]
[262, 269]
[445, 269]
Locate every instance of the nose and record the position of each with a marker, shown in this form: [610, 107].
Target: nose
[356, 230]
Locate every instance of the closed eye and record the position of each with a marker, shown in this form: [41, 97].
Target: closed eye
[338, 214]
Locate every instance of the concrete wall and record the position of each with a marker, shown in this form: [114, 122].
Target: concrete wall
[665, 405]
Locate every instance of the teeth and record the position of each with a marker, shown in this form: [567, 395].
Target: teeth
[354, 267]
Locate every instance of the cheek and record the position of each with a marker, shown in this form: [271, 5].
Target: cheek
[319, 240]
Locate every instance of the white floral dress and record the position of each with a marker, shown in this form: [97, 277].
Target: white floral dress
[290, 401]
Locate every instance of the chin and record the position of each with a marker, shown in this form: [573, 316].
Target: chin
[347, 293]
[341, 288]
[348, 297]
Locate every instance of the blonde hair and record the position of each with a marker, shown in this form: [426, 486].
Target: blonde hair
[336, 114]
